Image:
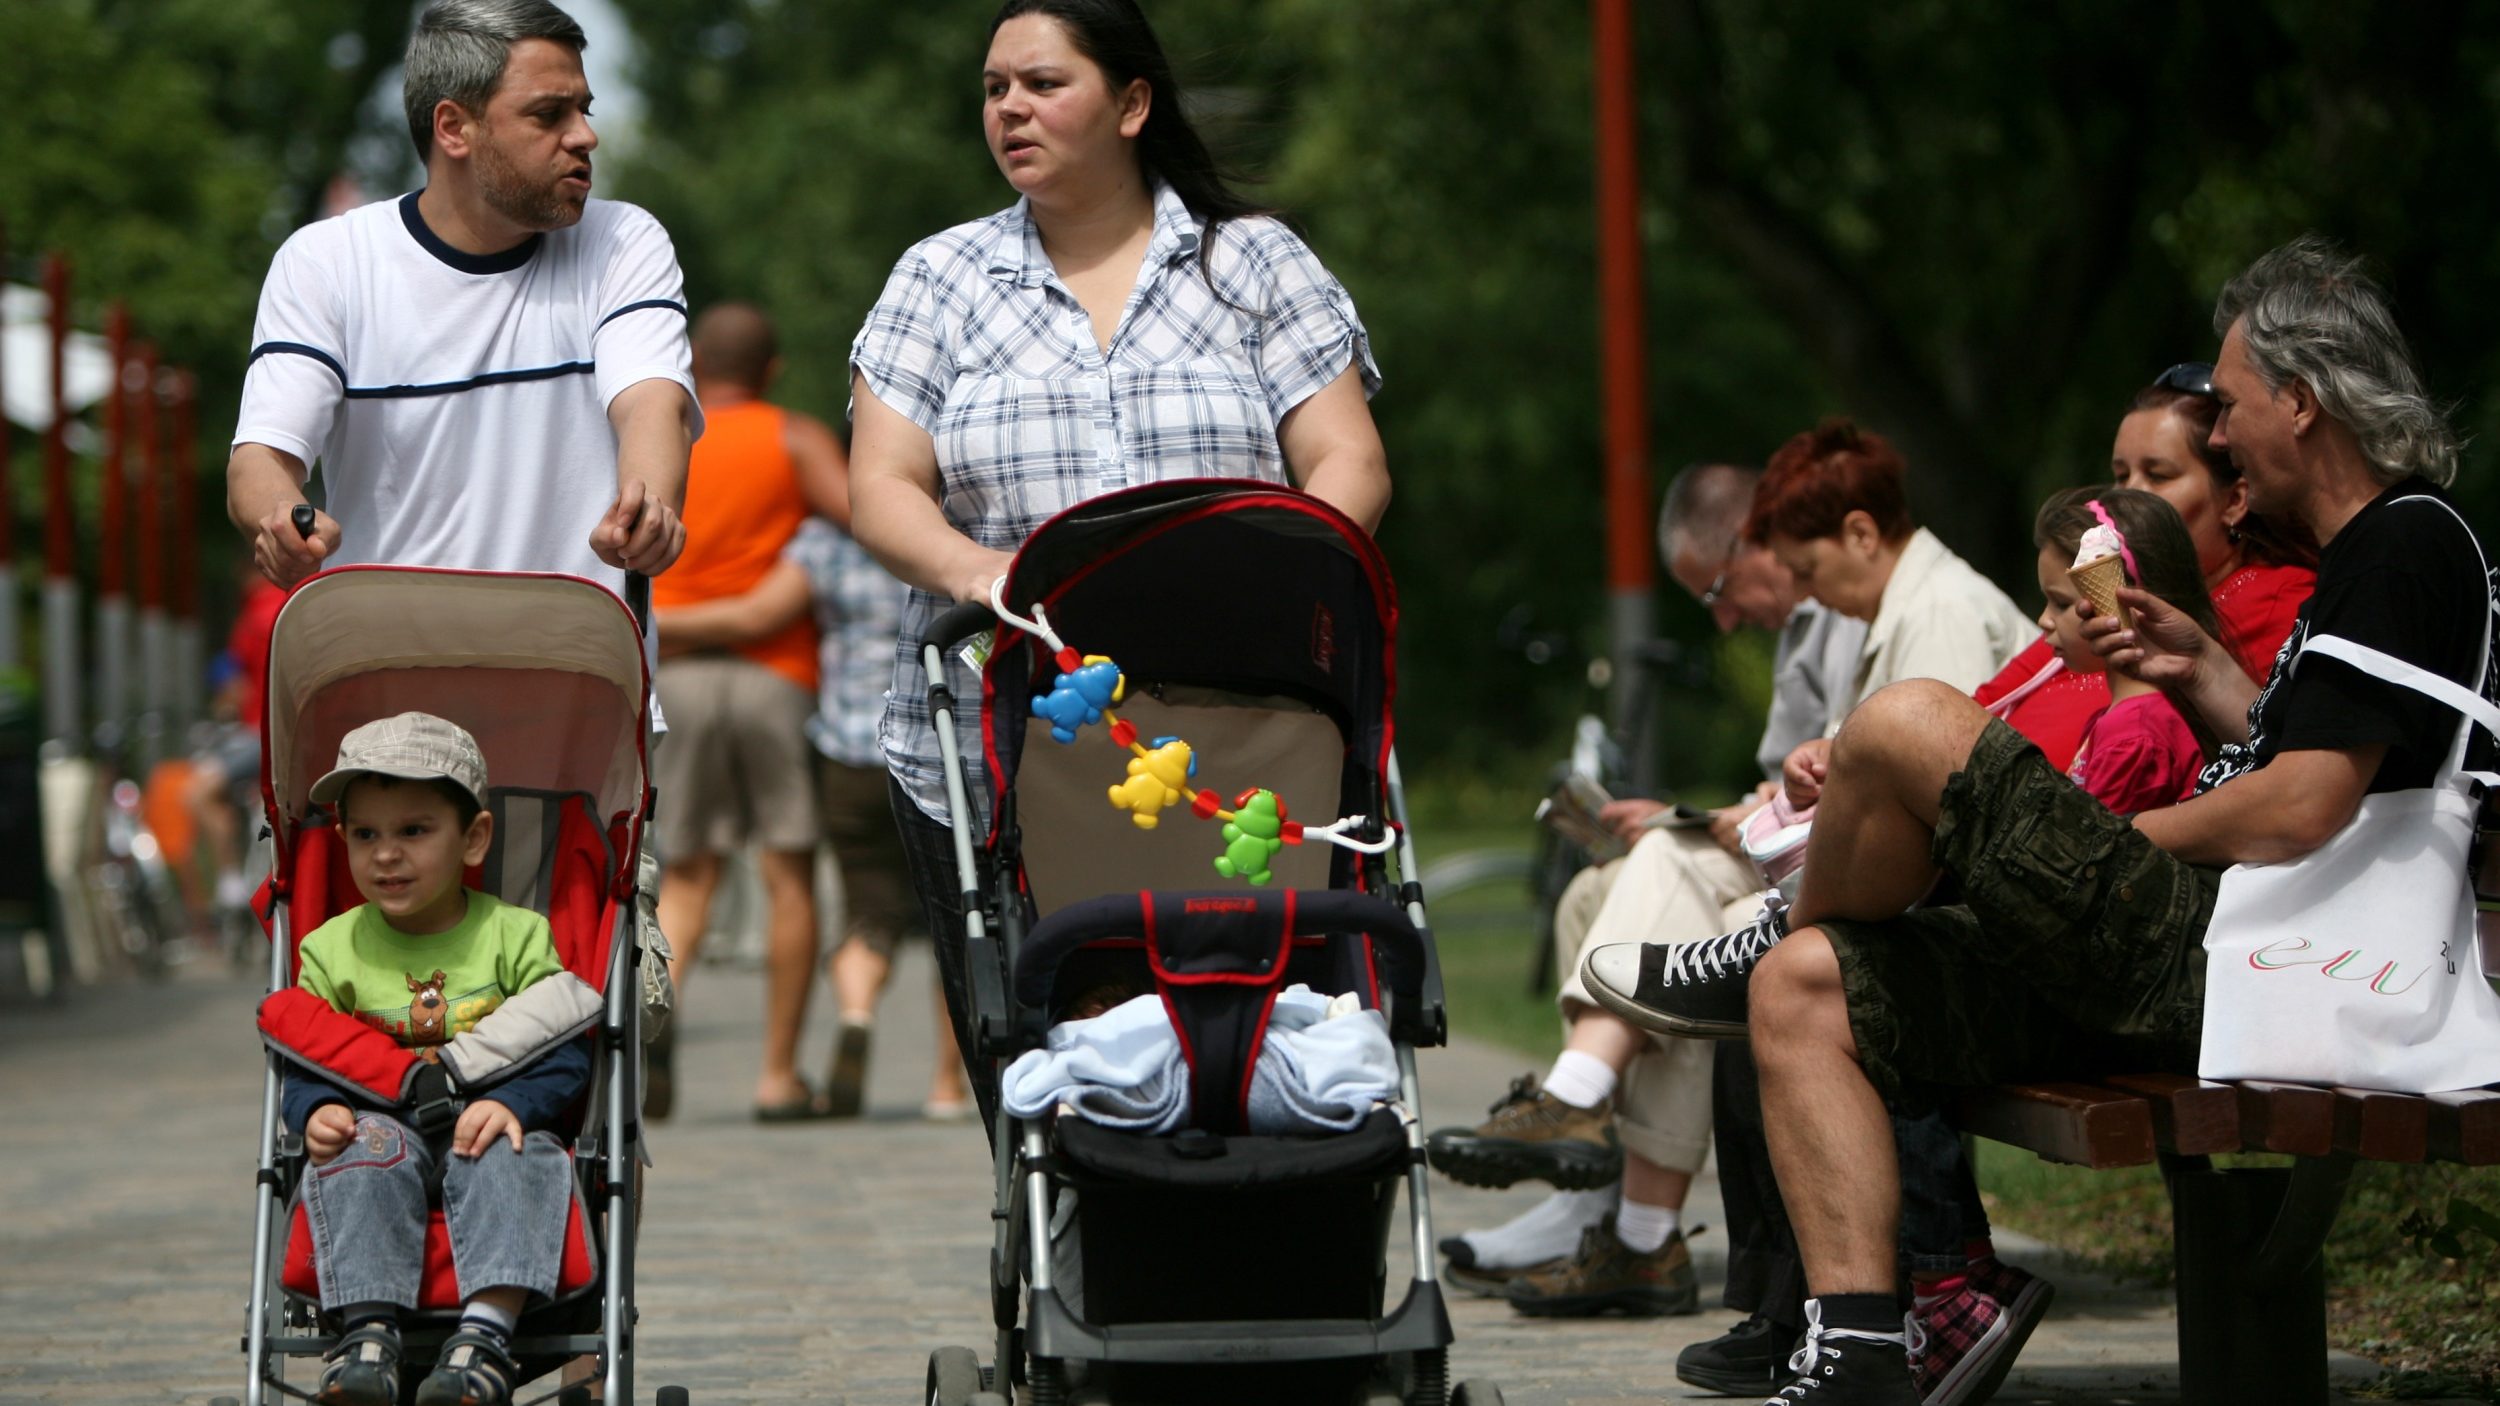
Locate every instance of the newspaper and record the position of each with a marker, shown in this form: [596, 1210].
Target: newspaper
[1572, 812]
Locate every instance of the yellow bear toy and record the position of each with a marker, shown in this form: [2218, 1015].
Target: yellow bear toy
[1154, 781]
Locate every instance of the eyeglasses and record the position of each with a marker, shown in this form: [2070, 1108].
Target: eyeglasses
[1718, 583]
[2188, 377]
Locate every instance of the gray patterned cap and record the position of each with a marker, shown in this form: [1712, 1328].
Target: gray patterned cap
[416, 746]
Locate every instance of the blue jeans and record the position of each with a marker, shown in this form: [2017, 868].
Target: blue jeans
[506, 1211]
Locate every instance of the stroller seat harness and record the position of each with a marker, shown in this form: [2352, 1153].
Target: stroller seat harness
[1159, 772]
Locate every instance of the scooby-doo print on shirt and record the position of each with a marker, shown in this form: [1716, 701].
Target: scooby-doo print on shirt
[432, 1015]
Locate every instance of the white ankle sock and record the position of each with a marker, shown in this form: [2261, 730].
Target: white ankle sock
[1548, 1230]
[1643, 1229]
[485, 1314]
[1581, 1080]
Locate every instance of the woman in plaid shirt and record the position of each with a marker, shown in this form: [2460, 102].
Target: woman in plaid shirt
[1128, 319]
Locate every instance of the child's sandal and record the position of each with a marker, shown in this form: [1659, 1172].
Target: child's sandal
[473, 1371]
[363, 1369]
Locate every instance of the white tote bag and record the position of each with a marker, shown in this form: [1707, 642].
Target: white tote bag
[2356, 964]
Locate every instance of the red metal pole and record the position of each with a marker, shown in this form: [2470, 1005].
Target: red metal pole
[1620, 310]
[1623, 335]
[113, 553]
[151, 482]
[60, 538]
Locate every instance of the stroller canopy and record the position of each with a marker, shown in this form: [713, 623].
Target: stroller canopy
[1224, 583]
[545, 671]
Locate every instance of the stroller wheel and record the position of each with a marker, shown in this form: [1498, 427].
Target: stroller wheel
[1430, 1384]
[1048, 1379]
[1476, 1393]
[954, 1376]
[672, 1396]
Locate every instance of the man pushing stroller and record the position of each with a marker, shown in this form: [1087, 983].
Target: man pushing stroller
[426, 959]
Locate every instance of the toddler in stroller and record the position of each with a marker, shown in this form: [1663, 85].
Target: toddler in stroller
[449, 1144]
[410, 793]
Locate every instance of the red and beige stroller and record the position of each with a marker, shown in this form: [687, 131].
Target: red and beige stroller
[1251, 628]
[547, 673]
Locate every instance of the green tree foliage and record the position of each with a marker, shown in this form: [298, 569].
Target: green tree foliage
[167, 146]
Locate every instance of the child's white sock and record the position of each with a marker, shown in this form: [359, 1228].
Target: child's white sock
[1548, 1230]
[1581, 1080]
[480, 1313]
[1642, 1229]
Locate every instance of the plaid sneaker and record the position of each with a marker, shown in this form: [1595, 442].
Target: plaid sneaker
[1693, 989]
[1608, 1276]
[1532, 1136]
[1974, 1333]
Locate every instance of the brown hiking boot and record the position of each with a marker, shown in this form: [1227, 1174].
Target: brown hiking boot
[1532, 1136]
[1606, 1276]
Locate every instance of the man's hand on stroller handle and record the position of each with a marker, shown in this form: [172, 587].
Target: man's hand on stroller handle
[981, 575]
[327, 1131]
[638, 532]
[293, 541]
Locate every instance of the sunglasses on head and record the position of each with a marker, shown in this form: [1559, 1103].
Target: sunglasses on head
[2188, 377]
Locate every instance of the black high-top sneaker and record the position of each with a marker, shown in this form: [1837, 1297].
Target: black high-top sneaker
[1693, 989]
[1849, 1366]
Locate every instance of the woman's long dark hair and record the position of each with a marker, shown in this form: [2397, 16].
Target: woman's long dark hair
[1115, 35]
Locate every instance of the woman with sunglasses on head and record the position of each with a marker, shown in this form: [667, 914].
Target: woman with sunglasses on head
[2257, 574]
[1129, 319]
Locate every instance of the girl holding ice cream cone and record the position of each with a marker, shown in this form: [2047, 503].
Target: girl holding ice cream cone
[2138, 753]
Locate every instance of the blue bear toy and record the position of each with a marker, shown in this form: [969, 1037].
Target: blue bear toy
[1078, 698]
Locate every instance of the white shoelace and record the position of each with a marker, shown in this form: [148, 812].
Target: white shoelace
[1912, 1339]
[1691, 962]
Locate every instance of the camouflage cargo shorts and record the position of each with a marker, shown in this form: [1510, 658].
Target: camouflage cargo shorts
[2077, 947]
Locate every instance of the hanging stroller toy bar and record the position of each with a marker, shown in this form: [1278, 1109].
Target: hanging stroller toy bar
[1085, 691]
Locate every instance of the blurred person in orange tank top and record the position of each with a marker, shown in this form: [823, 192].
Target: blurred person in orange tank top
[736, 765]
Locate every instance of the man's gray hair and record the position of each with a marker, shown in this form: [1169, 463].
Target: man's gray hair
[2309, 312]
[459, 50]
[1705, 510]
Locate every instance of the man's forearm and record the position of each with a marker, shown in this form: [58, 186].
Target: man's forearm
[2216, 704]
[654, 439]
[2272, 815]
[259, 481]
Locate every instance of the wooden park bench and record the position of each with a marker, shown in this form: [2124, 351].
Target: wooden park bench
[2251, 1277]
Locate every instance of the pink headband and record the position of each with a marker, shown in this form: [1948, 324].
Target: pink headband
[2124, 553]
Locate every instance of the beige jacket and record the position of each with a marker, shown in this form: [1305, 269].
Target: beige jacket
[1940, 619]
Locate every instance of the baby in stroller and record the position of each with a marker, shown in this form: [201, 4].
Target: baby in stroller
[426, 959]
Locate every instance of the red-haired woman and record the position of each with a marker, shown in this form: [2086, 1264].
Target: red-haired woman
[1832, 509]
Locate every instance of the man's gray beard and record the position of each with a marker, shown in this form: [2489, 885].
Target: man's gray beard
[511, 195]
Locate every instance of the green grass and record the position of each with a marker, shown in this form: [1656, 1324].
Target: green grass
[1487, 936]
[2428, 1318]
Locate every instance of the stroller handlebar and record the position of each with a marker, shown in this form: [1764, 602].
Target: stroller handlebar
[958, 624]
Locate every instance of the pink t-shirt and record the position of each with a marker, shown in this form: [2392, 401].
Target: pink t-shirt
[2138, 754]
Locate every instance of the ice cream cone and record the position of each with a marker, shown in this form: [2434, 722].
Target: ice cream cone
[2099, 580]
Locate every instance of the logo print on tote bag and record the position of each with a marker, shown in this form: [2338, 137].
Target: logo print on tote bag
[2342, 966]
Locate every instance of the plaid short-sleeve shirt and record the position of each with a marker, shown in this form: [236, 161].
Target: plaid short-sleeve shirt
[978, 342]
[858, 608]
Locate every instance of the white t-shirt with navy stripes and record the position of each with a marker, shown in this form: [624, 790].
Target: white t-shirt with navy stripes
[455, 404]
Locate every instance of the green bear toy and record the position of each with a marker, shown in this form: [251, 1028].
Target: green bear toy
[1252, 837]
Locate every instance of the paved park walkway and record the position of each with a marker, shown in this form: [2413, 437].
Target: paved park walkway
[816, 1263]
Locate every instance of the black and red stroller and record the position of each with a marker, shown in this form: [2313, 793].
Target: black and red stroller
[1256, 623]
[547, 672]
